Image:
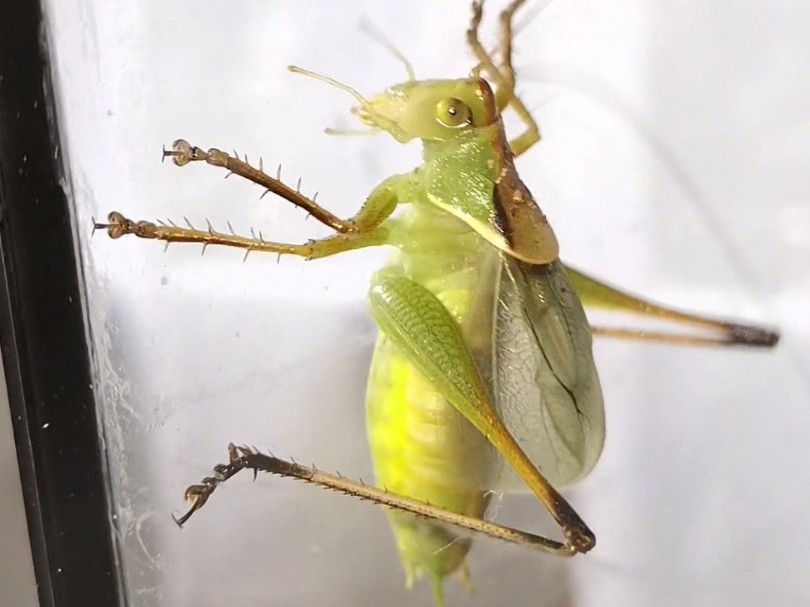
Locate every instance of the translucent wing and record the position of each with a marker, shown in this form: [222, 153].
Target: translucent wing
[542, 373]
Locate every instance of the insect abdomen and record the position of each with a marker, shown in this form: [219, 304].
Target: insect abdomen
[421, 446]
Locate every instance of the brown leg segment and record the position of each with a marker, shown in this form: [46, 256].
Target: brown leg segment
[504, 77]
[118, 226]
[183, 153]
[241, 458]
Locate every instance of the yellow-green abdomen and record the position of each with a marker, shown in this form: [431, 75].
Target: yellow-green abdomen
[421, 446]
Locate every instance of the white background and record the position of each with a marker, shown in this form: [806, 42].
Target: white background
[674, 163]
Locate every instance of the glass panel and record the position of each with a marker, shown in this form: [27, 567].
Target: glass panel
[642, 174]
[45, 357]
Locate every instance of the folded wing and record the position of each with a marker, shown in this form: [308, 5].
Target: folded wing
[542, 373]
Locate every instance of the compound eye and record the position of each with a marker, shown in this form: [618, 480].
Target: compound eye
[453, 112]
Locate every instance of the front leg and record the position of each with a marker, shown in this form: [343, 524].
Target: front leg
[117, 226]
[368, 225]
[377, 208]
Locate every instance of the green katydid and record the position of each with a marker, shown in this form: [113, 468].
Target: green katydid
[483, 374]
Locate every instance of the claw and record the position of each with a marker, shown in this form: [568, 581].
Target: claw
[182, 152]
[196, 495]
[117, 225]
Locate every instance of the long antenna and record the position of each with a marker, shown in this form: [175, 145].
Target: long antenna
[375, 34]
[364, 112]
[330, 81]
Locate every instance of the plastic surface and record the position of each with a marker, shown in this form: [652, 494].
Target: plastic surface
[674, 164]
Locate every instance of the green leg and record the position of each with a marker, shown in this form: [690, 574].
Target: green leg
[596, 294]
[428, 336]
[365, 229]
[117, 225]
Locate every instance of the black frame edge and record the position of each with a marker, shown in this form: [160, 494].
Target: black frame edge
[43, 335]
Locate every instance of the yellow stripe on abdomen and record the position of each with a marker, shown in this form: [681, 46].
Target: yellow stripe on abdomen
[424, 449]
